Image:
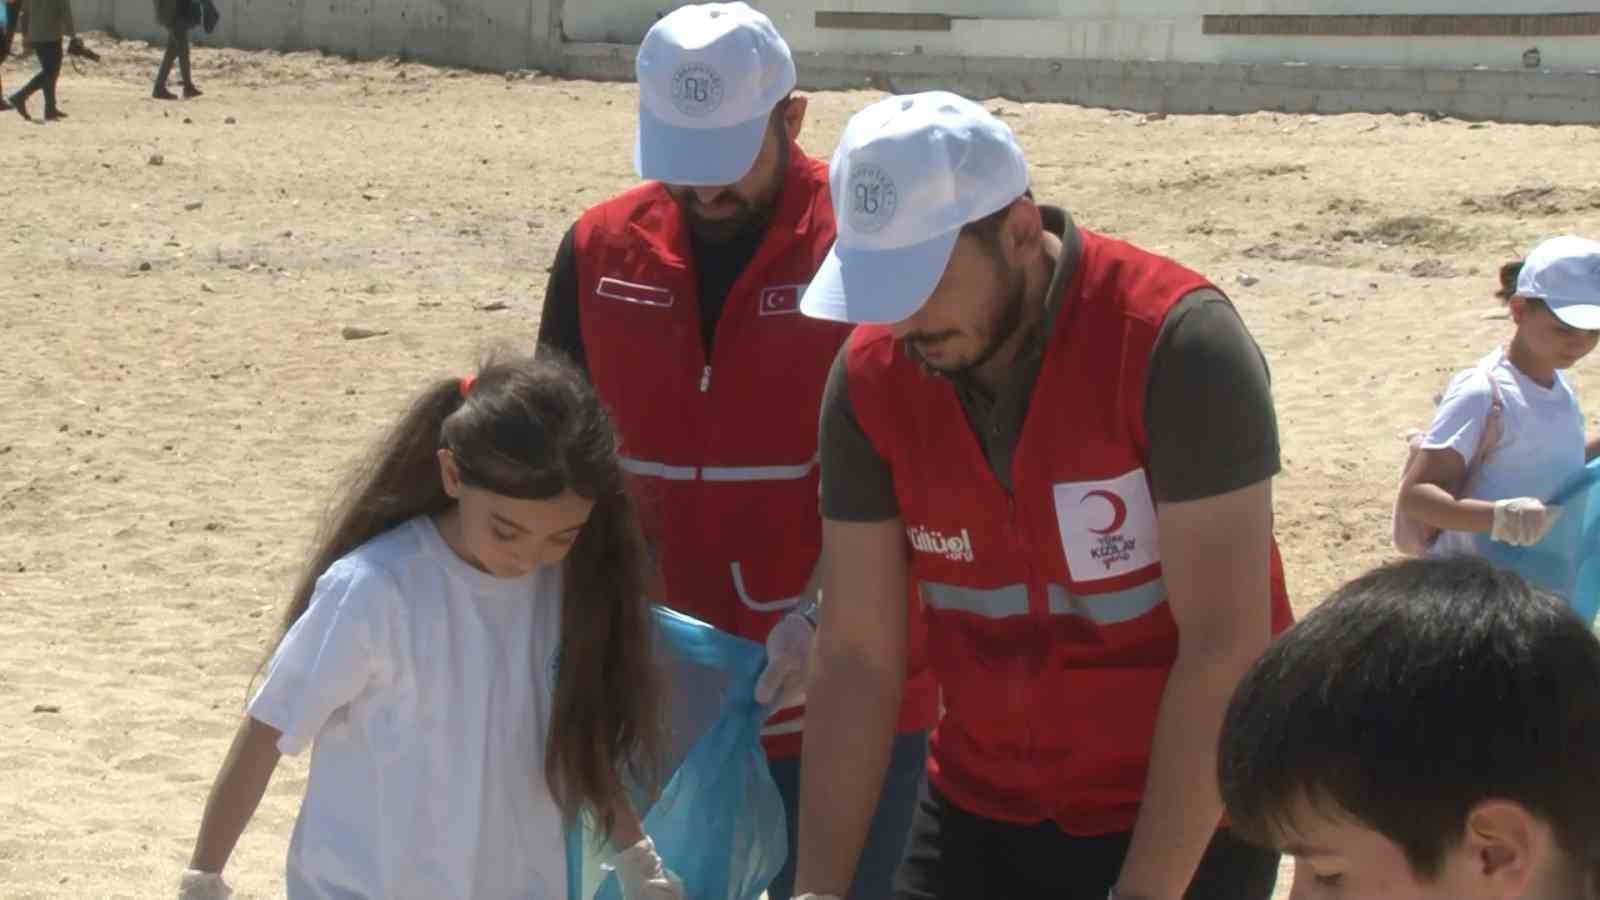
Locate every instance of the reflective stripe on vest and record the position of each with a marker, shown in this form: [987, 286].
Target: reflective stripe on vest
[996, 603]
[657, 470]
[653, 469]
[1109, 608]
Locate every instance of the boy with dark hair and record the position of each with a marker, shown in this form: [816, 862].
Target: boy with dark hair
[1430, 732]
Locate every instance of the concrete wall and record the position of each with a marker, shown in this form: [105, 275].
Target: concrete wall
[1176, 87]
[481, 34]
[1131, 30]
[1143, 55]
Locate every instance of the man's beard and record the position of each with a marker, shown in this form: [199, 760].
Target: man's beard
[721, 231]
[746, 221]
[1002, 326]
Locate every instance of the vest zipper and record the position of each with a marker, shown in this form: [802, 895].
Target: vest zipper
[705, 380]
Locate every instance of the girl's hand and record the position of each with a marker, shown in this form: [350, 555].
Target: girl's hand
[1523, 521]
[642, 875]
[198, 885]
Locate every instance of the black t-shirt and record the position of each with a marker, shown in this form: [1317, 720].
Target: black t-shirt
[716, 266]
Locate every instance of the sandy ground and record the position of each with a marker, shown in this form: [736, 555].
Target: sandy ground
[178, 399]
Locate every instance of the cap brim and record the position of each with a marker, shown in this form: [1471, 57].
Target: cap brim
[1584, 316]
[701, 157]
[877, 287]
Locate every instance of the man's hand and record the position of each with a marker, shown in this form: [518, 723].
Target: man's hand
[854, 698]
[783, 683]
[1216, 559]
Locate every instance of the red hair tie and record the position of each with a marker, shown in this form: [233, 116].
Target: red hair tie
[467, 383]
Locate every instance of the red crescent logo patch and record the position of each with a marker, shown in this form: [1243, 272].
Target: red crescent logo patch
[1119, 511]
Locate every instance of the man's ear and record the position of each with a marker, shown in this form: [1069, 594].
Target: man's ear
[794, 115]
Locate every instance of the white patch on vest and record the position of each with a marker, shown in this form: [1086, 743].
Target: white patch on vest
[781, 299]
[630, 292]
[956, 548]
[1108, 528]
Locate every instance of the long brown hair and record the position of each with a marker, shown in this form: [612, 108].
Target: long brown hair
[533, 429]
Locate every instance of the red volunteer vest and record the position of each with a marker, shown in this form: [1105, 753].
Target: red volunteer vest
[722, 449]
[1048, 622]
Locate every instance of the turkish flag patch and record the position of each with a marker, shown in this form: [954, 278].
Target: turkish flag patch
[781, 300]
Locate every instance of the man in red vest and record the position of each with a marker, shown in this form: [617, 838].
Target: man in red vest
[1069, 443]
[681, 297]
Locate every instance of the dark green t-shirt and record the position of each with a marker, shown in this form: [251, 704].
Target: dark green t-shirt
[1208, 407]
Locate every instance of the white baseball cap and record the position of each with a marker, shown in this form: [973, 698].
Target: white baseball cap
[1564, 272]
[909, 172]
[709, 77]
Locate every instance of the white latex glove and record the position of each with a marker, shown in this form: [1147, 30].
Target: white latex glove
[783, 682]
[642, 875]
[198, 885]
[1523, 521]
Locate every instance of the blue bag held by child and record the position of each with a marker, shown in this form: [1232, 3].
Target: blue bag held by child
[1567, 561]
[719, 823]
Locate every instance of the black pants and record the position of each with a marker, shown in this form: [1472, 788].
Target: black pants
[177, 50]
[954, 855]
[49, 53]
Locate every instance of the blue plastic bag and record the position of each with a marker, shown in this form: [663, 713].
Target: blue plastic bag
[719, 822]
[1567, 561]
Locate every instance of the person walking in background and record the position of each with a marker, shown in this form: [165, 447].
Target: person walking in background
[177, 17]
[45, 25]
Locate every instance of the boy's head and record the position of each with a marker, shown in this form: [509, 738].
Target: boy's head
[1430, 732]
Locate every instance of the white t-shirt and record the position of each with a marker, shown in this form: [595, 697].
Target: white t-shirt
[1541, 446]
[426, 686]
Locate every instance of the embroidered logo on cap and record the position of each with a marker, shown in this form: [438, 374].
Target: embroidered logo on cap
[873, 199]
[696, 89]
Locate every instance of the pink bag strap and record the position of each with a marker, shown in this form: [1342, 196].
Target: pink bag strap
[1489, 438]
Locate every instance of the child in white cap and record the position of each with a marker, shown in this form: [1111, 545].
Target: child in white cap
[1508, 432]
